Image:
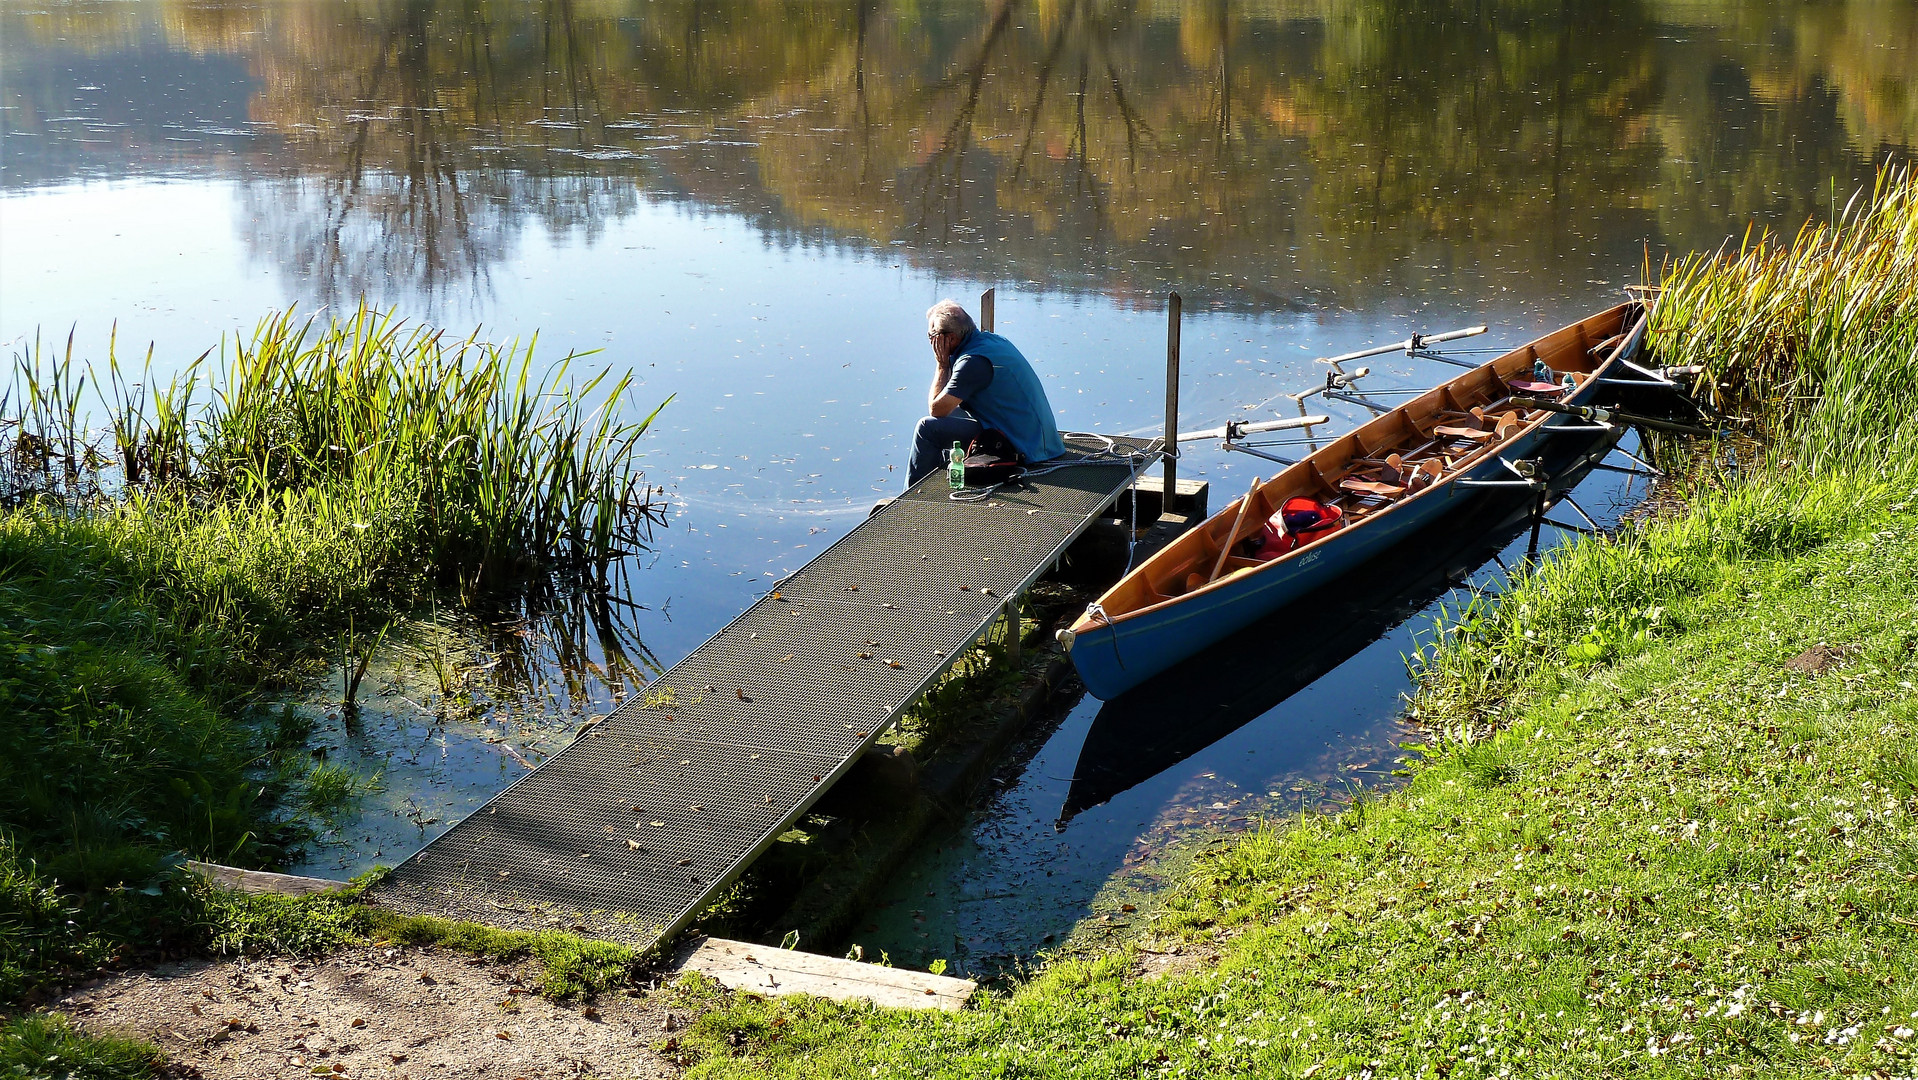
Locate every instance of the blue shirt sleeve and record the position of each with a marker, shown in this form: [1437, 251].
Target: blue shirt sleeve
[971, 373]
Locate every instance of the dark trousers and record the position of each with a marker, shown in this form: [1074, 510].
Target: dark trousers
[934, 436]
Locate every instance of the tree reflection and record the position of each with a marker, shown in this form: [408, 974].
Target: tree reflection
[1270, 151]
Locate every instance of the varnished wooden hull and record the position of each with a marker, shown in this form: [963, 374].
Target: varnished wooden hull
[1118, 650]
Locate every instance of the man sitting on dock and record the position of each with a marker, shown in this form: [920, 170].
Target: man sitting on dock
[982, 382]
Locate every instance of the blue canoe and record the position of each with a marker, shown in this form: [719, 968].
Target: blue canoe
[1484, 457]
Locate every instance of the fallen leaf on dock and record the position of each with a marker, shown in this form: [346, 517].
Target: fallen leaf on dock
[892, 663]
[988, 592]
[785, 658]
[888, 605]
[742, 695]
[685, 862]
[965, 588]
[657, 824]
[634, 844]
[852, 588]
[694, 809]
[863, 655]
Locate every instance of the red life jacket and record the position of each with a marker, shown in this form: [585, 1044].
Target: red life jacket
[1300, 520]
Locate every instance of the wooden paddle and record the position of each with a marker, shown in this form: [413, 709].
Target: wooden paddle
[1232, 537]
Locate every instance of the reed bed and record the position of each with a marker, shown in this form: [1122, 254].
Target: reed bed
[460, 453]
[1815, 340]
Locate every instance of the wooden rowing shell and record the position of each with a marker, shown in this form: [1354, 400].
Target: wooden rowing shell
[1187, 597]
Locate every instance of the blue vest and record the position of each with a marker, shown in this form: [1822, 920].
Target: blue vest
[1013, 402]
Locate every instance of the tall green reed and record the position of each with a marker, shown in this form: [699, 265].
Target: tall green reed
[1815, 339]
[460, 451]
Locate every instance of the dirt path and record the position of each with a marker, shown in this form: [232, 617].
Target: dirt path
[378, 1012]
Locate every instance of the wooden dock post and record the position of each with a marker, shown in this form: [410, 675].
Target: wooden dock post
[1172, 309]
[1015, 630]
[985, 309]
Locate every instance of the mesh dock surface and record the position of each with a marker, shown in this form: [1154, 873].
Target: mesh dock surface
[630, 830]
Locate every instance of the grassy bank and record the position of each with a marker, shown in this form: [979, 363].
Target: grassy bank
[1677, 861]
[173, 555]
[1662, 822]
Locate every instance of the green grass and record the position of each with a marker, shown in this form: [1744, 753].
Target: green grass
[40, 1047]
[569, 966]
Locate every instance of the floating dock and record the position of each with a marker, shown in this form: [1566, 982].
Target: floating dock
[635, 827]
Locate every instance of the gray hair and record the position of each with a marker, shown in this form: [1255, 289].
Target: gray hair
[947, 316]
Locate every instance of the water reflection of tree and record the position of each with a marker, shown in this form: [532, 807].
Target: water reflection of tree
[1268, 147]
[431, 138]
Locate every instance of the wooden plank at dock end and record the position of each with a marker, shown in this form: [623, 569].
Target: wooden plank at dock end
[767, 969]
[263, 881]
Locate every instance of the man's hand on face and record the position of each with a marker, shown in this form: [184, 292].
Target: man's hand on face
[941, 347]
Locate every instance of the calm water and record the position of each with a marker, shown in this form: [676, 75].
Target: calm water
[750, 204]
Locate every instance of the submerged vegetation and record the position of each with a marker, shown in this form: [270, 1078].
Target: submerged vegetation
[173, 556]
[1663, 820]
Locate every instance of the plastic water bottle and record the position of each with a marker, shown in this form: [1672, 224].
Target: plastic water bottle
[956, 466]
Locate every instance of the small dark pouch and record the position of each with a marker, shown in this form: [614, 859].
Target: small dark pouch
[992, 459]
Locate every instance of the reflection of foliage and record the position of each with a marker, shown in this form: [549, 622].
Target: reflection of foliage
[1103, 141]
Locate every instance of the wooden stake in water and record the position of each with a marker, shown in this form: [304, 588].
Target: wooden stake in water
[1015, 630]
[985, 309]
[1173, 305]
